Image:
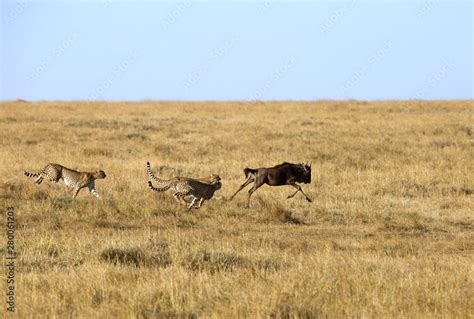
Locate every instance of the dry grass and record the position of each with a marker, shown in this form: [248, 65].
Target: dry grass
[389, 234]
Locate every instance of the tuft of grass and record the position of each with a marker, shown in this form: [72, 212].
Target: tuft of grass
[213, 261]
[128, 256]
[12, 190]
[114, 225]
[276, 212]
[155, 254]
[281, 214]
[268, 265]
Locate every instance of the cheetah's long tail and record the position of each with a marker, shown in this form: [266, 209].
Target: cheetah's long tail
[150, 173]
[32, 174]
[163, 184]
[162, 189]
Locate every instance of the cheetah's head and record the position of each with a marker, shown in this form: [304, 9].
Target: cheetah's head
[100, 174]
[216, 180]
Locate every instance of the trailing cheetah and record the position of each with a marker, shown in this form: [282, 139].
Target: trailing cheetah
[71, 178]
[191, 191]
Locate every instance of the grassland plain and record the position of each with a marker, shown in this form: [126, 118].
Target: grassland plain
[389, 234]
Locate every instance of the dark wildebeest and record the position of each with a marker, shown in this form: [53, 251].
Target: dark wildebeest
[283, 174]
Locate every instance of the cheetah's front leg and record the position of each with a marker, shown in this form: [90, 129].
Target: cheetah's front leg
[199, 204]
[76, 190]
[193, 202]
[78, 187]
[93, 191]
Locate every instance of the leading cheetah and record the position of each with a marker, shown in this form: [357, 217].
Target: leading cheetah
[71, 178]
[191, 191]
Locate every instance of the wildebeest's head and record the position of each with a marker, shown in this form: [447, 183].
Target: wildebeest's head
[305, 176]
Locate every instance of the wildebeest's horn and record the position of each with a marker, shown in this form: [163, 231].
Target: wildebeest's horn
[309, 164]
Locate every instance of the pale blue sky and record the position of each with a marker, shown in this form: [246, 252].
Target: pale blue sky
[209, 50]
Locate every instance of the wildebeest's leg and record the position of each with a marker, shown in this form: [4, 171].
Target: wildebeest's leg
[307, 197]
[299, 189]
[292, 182]
[248, 181]
[292, 195]
[253, 189]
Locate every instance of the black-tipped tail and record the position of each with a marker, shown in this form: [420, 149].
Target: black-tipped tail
[162, 189]
[150, 185]
[149, 172]
[28, 174]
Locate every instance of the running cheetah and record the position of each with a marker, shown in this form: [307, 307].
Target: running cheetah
[71, 178]
[191, 191]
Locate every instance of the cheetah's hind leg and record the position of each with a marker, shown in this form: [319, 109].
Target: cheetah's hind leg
[179, 197]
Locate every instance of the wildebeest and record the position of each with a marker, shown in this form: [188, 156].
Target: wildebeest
[282, 174]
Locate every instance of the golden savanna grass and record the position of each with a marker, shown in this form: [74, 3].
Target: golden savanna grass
[389, 234]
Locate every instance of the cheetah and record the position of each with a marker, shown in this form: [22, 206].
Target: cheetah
[190, 191]
[71, 178]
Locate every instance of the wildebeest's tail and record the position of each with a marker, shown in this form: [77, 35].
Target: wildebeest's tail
[249, 171]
